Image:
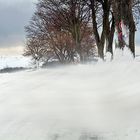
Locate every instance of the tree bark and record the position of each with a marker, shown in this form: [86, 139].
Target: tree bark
[101, 50]
[111, 37]
[132, 30]
[132, 39]
[99, 40]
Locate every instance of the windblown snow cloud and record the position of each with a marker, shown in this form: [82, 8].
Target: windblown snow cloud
[81, 102]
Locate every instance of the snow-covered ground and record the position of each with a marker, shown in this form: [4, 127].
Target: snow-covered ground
[14, 61]
[82, 102]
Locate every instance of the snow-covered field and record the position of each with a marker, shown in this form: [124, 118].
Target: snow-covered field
[82, 102]
[14, 61]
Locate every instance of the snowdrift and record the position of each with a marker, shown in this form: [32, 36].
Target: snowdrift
[82, 102]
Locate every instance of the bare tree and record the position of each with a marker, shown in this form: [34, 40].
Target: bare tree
[69, 15]
[61, 27]
[105, 34]
[126, 11]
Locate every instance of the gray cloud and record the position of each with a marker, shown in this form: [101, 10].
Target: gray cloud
[13, 17]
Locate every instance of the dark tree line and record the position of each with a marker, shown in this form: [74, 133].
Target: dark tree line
[114, 12]
[125, 15]
[71, 30]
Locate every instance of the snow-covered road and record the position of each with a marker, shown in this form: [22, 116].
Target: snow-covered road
[72, 103]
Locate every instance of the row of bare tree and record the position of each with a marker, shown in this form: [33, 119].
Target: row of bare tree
[72, 30]
[111, 14]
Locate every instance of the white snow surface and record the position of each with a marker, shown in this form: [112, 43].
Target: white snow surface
[80, 102]
[14, 61]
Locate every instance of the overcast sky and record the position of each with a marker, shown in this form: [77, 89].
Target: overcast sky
[14, 15]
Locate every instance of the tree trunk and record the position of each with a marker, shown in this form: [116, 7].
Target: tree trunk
[111, 36]
[132, 41]
[132, 30]
[101, 51]
[80, 52]
[110, 44]
[95, 31]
